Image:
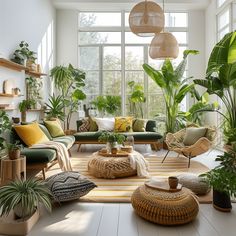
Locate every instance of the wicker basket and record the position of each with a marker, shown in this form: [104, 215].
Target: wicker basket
[165, 208]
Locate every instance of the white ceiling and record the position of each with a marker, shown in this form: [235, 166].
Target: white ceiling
[99, 5]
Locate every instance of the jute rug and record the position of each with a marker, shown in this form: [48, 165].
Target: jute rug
[120, 190]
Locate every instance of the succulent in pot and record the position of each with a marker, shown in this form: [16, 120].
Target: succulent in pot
[24, 197]
[13, 150]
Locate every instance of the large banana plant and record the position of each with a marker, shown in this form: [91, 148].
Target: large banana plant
[174, 87]
[221, 81]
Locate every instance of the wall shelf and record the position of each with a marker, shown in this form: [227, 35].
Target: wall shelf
[11, 65]
[35, 74]
[7, 109]
[8, 95]
[34, 110]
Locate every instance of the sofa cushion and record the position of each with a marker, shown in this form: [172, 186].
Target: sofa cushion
[151, 126]
[85, 126]
[106, 124]
[142, 136]
[67, 140]
[68, 186]
[34, 156]
[93, 125]
[123, 124]
[45, 130]
[192, 135]
[87, 136]
[31, 134]
[54, 128]
[139, 125]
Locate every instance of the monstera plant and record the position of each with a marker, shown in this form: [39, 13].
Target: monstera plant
[221, 81]
[174, 87]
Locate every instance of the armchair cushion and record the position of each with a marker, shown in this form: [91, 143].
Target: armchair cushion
[192, 135]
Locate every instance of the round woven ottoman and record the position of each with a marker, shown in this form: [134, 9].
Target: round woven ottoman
[110, 167]
[165, 208]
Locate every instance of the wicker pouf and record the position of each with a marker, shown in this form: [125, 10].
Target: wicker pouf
[110, 167]
[194, 183]
[165, 208]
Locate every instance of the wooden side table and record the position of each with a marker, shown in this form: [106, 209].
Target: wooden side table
[13, 169]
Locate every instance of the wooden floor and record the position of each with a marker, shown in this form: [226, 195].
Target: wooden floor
[99, 219]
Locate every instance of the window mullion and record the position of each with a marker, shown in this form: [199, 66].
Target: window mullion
[100, 69]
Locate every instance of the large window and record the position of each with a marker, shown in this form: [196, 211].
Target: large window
[112, 56]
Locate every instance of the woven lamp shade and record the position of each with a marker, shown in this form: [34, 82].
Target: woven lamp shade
[146, 19]
[164, 45]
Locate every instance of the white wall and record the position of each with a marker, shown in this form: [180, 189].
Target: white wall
[34, 22]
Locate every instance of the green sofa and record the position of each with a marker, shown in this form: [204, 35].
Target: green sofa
[42, 159]
[150, 136]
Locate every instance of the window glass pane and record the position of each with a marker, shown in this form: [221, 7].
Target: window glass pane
[176, 61]
[176, 19]
[112, 58]
[99, 37]
[111, 83]
[89, 58]
[136, 76]
[223, 19]
[181, 37]
[220, 2]
[92, 82]
[156, 105]
[223, 32]
[131, 38]
[133, 58]
[99, 19]
[127, 19]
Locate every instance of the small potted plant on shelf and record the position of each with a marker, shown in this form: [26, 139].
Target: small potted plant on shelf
[23, 197]
[112, 139]
[223, 181]
[13, 150]
[24, 56]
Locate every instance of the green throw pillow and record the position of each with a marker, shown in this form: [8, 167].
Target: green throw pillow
[46, 132]
[139, 125]
[54, 128]
[93, 125]
[192, 135]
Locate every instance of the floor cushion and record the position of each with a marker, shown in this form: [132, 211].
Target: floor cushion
[194, 183]
[68, 186]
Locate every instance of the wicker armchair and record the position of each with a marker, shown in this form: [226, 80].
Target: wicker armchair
[175, 143]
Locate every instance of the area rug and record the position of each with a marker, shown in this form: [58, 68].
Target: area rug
[120, 190]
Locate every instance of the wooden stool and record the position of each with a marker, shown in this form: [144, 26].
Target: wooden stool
[13, 169]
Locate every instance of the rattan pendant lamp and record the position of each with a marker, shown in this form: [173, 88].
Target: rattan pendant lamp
[146, 19]
[164, 45]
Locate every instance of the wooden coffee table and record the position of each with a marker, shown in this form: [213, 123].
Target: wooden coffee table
[110, 167]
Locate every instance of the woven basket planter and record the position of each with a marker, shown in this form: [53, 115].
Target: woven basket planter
[110, 167]
[165, 208]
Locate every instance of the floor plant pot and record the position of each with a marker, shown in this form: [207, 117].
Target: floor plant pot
[14, 154]
[221, 201]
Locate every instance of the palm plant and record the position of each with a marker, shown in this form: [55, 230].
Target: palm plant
[24, 196]
[174, 87]
[221, 81]
[69, 81]
[55, 107]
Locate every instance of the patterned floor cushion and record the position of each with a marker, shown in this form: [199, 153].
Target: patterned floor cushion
[194, 183]
[67, 186]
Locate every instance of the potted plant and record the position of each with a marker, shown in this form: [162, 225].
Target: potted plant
[24, 197]
[24, 56]
[220, 81]
[5, 125]
[173, 86]
[25, 105]
[223, 181]
[136, 99]
[13, 150]
[69, 81]
[112, 139]
[54, 109]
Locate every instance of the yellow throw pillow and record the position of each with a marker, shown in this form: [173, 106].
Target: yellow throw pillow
[123, 124]
[31, 134]
[54, 128]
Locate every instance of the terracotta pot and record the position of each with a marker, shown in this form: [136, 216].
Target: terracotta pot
[221, 201]
[14, 154]
[173, 182]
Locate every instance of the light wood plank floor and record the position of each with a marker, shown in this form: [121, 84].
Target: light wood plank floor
[104, 219]
[100, 219]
